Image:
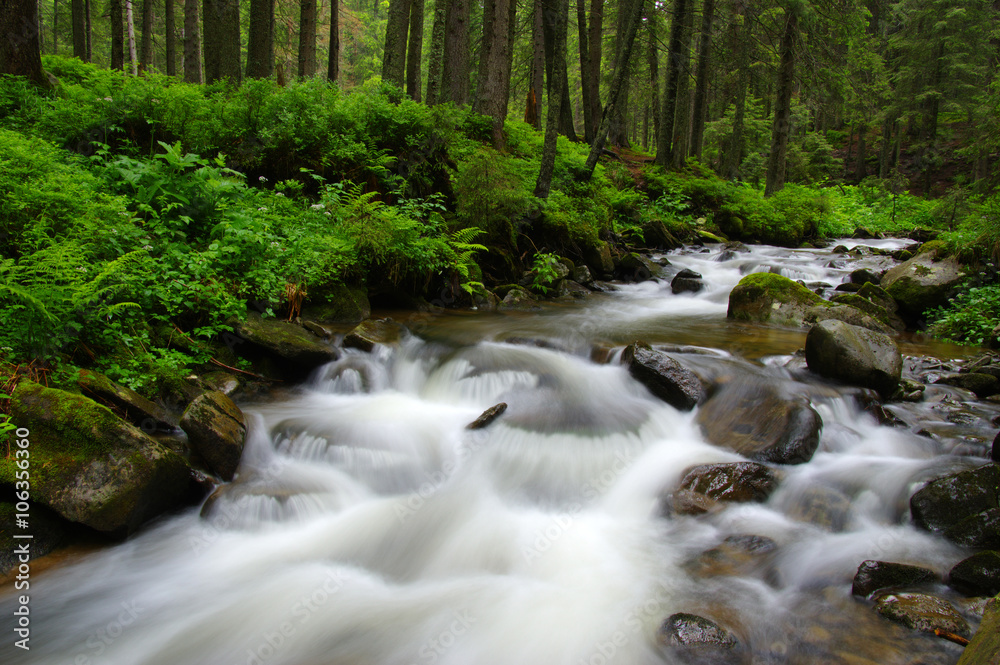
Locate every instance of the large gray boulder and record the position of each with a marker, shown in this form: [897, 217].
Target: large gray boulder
[217, 430]
[756, 420]
[663, 376]
[285, 340]
[923, 282]
[90, 466]
[855, 355]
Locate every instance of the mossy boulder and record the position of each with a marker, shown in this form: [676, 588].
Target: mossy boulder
[217, 430]
[90, 466]
[287, 341]
[765, 297]
[923, 282]
[134, 407]
[344, 304]
[854, 355]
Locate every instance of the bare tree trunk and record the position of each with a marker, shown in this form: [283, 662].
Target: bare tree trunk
[414, 49]
[79, 29]
[260, 40]
[555, 13]
[701, 84]
[192, 42]
[20, 52]
[130, 24]
[146, 43]
[394, 58]
[171, 38]
[494, 86]
[781, 128]
[333, 64]
[436, 59]
[117, 35]
[307, 38]
[456, 67]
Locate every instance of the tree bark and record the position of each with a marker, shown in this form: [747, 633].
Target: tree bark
[260, 41]
[533, 112]
[494, 84]
[555, 14]
[333, 63]
[79, 23]
[171, 38]
[222, 40]
[307, 38]
[394, 57]
[701, 83]
[192, 43]
[674, 71]
[436, 57]
[414, 49]
[20, 52]
[146, 41]
[617, 83]
[117, 35]
[782, 106]
[456, 67]
[130, 24]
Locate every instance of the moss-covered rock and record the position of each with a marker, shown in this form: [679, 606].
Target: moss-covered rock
[92, 467]
[855, 355]
[217, 430]
[345, 304]
[923, 282]
[765, 297]
[134, 407]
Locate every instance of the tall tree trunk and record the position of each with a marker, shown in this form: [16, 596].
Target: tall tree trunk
[79, 23]
[117, 35]
[653, 64]
[146, 42]
[192, 42]
[222, 40]
[88, 31]
[307, 38]
[260, 41]
[782, 106]
[533, 112]
[20, 52]
[394, 57]
[682, 120]
[586, 78]
[595, 47]
[494, 86]
[555, 14]
[674, 72]
[435, 60]
[171, 38]
[333, 63]
[618, 132]
[130, 25]
[701, 84]
[617, 82]
[456, 67]
[414, 49]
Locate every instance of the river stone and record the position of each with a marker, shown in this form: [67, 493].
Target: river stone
[92, 467]
[984, 648]
[921, 612]
[983, 385]
[286, 341]
[217, 429]
[873, 576]
[663, 376]
[755, 420]
[134, 407]
[979, 575]
[371, 332]
[923, 282]
[855, 355]
[488, 416]
[737, 482]
[697, 641]
[686, 281]
[765, 297]
[943, 503]
[344, 304]
[979, 530]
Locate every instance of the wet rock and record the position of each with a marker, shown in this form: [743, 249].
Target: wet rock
[734, 482]
[634, 267]
[134, 407]
[863, 276]
[686, 281]
[217, 430]
[518, 299]
[855, 355]
[92, 467]
[757, 421]
[344, 304]
[822, 506]
[286, 341]
[943, 503]
[696, 640]
[921, 612]
[985, 644]
[979, 530]
[983, 385]
[663, 376]
[488, 416]
[979, 575]
[371, 332]
[923, 282]
[873, 576]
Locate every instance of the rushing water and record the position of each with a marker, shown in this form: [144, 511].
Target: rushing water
[367, 525]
